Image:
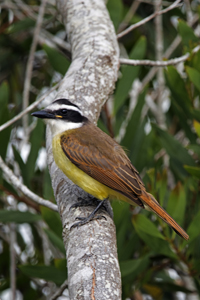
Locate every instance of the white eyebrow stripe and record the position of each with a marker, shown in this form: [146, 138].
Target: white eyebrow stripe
[63, 106]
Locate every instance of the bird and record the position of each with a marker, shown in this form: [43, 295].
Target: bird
[95, 162]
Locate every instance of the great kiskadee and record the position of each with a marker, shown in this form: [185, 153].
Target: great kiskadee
[95, 162]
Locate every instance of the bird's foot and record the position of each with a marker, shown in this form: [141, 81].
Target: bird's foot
[92, 216]
[83, 221]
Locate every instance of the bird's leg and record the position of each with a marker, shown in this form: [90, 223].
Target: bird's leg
[86, 202]
[90, 217]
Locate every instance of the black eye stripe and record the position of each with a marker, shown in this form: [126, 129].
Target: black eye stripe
[64, 111]
[70, 115]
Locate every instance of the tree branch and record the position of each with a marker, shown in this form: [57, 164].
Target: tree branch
[29, 65]
[157, 63]
[28, 109]
[10, 177]
[93, 269]
[147, 19]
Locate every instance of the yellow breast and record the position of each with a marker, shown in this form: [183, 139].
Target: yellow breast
[80, 178]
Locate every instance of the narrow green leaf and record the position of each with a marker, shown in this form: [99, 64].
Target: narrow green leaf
[47, 187]
[132, 126]
[18, 216]
[58, 61]
[115, 9]
[187, 33]
[36, 139]
[194, 76]
[178, 89]
[195, 171]
[195, 62]
[4, 116]
[48, 273]
[177, 203]
[56, 241]
[134, 266]
[22, 166]
[176, 151]
[53, 220]
[129, 73]
[159, 246]
[195, 148]
[141, 223]
[194, 228]
[18, 26]
[60, 263]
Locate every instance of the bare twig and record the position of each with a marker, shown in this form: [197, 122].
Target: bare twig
[129, 15]
[147, 62]
[60, 291]
[159, 54]
[29, 66]
[10, 177]
[28, 109]
[142, 22]
[12, 260]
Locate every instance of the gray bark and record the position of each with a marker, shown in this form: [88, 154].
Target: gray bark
[93, 269]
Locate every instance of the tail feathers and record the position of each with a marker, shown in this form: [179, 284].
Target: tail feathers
[151, 202]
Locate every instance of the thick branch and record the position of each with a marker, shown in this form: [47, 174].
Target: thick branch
[93, 269]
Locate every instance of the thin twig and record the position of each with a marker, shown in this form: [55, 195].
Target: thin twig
[29, 66]
[28, 109]
[147, 62]
[60, 291]
[128, 16]
[10, 177]
[160, 116]
[12, 260]
[142, 22]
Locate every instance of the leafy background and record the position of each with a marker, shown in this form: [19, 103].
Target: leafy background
[155, 262]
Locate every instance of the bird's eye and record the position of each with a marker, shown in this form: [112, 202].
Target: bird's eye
[64, 111]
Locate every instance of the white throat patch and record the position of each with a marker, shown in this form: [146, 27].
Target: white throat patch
[58, 126]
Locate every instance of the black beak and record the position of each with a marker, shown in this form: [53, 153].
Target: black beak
[43, 114]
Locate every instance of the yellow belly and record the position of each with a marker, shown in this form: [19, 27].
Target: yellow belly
[80, 178]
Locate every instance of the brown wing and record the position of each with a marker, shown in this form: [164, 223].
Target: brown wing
[104, 160]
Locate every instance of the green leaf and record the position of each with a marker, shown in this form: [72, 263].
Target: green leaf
[4, 116]
[134, 266]
[48, 273]
[141, 223]
[56, 241]
[24, 24]
[195, 171]
[194, 228]
[53, 220]
[194, 76]
[18, 216]
[129, 74]
[36, 139]
[115, 9]
[178, 154]
[187, 33]
[195, 148]
[159, 246]
[58, 61]
[47, 187]
[22, 166]
[60, 263]
[132, 126]
[177, 203]
[195, 62]
[178, 89]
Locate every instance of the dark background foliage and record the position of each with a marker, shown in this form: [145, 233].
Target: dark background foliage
[161, 135]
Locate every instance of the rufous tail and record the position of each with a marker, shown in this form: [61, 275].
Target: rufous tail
[151, 202]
